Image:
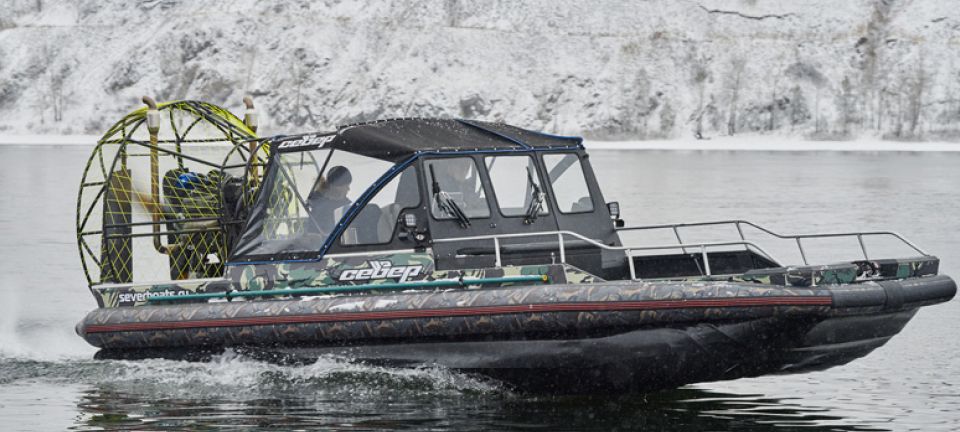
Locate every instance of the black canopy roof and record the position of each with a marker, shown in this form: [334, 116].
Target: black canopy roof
[398, 139]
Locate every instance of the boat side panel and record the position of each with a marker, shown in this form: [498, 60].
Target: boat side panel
[123, 295]
[631, 360]
[638, 360]
[330, 271]
[383, 268]
[451, 313]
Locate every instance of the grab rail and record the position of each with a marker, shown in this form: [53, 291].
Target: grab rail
[796, 237]
[628, 250]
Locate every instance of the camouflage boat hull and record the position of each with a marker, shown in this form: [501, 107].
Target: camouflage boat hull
[608, 336]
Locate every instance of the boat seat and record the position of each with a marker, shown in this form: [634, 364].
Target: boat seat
[388, 219]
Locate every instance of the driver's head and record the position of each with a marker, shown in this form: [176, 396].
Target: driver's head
[338, 182]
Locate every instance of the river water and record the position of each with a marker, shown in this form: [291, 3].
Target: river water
[48, 380]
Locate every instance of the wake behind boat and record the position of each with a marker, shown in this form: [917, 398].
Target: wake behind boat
[479, 247]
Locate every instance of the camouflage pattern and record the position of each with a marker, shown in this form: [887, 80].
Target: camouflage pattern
[330, 271]
[904, 267]
[602, 307]
[804, 276]
[121, 295]
[835, 274]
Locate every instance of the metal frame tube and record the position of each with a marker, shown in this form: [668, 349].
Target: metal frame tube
[563, 252]
[706, 259]
[355, 288]
[676, 232]
[600, 245]
[740, 231]
[739, 222]
[631, 264]
[153, 115]
[863, 247]
[803, 255]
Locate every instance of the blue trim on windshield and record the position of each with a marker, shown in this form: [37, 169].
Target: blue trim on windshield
[361, 202]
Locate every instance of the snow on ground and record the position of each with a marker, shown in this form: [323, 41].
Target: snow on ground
[774, 143]
[612, 69]
[738, 143]
[48, 139]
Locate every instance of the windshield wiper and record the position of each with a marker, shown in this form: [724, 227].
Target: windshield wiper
[536, 201]
[446, 204]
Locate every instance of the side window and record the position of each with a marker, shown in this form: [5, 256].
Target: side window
[454, 184]
[569, 184]
[293, 178]
[345, 178]
[516, 184]
[377, 221]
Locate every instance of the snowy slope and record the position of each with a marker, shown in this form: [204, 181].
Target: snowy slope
[605, 69]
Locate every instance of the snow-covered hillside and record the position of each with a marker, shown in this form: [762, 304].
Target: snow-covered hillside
[604, 69]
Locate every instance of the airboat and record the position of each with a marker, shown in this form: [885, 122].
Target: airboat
[480, 247]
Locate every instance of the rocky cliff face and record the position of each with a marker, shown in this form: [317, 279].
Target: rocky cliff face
[610, 69]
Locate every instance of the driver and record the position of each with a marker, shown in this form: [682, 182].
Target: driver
[328, 199]
[456, 180]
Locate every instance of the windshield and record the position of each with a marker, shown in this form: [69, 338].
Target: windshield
[456, 190]
[303, 197]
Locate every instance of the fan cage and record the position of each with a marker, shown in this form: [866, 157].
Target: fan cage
[169, 206]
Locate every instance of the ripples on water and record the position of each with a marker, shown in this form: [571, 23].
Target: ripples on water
[49, 382]
[232, 391]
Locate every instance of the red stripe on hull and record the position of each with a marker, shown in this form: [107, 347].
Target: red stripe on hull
[459, 312]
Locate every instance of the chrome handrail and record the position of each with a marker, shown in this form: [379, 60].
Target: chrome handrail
[796, 237]
[628, 250]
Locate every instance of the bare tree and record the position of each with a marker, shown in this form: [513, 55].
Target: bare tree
[898, 122]
[699, 76]
[638, 107]
[846, 105]
[737, 65]
[799, 112]
[881, 94]
[56, 96]
[816, 113]
[251, 63]
[774, 103]
[667, 119]
[916, 95]
[301, 74]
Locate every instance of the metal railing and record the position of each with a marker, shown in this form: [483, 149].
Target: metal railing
[628, 250]
[701, 247]
[796, 237]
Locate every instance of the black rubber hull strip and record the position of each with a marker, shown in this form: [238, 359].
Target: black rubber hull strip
[513, 312]
[612, 337]
[630, 361]
[895, 295]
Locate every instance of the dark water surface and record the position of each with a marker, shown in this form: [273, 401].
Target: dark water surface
[48, 380]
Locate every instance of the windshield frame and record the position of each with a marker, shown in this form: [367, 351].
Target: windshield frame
[274, 169]
[368, 194]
